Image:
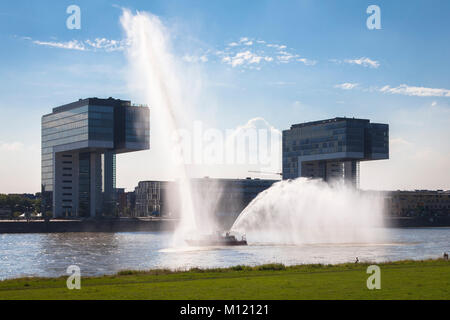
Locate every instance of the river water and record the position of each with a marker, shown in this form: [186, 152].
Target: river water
[105, 253]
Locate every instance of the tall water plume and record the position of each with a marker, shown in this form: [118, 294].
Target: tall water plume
[308, 211]
[154, 77]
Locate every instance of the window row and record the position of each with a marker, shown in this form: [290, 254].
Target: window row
[64, 127]
[77, 138]
[64, 114]
[63, 121]
[64, 134]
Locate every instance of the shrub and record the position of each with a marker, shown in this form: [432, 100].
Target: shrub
[271, 266]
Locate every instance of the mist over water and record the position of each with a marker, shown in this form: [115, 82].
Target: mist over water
[310, 211]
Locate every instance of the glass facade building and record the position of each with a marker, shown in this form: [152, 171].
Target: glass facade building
[333, 148]
[80, 141]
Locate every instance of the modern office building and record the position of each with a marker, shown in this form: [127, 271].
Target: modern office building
[332, 149]
[80, 141]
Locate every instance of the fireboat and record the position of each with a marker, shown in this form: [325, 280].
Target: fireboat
[218, 239]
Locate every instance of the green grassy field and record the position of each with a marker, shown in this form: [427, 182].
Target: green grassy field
[428, 279]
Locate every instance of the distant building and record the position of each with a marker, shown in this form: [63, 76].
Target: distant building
[332, 149]
[131, 203]
[148, 198]
[80, 141]
[419, 203]
[121, 200]
[227, 197]
[223, 198]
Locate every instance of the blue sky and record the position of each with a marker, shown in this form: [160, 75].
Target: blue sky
[284, 61]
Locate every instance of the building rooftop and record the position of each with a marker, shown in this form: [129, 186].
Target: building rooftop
[94, 101]
[216, 179]
[312, 123]
[439, 191]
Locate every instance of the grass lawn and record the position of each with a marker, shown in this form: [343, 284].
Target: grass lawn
[428, 279]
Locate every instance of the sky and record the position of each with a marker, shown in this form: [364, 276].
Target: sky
[273, 62]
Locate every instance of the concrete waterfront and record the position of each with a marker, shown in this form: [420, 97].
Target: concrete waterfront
[88, 225]
[162, 224]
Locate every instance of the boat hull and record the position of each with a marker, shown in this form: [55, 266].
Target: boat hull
[203, 243]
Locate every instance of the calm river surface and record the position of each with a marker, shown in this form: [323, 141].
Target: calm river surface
[105, 253]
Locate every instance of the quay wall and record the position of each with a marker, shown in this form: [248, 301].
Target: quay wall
[103, 225]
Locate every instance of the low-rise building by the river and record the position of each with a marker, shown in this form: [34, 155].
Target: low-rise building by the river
[222, 198]
[148, 198]
[419, 203]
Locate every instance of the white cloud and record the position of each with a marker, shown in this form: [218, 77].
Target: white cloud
[194, 59]
[268, 153]
[244, 40]
[277, 46]
[106, 44]
[98, 44]
[402, 89]
[71, 45]
[416, 91]
[254, 145]
[285, 57]
[346, 86]
[307, 61]
[244, 58]
[235, 55]
[365, 62]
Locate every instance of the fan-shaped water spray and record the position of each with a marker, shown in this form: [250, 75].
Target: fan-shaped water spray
[311, 211]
